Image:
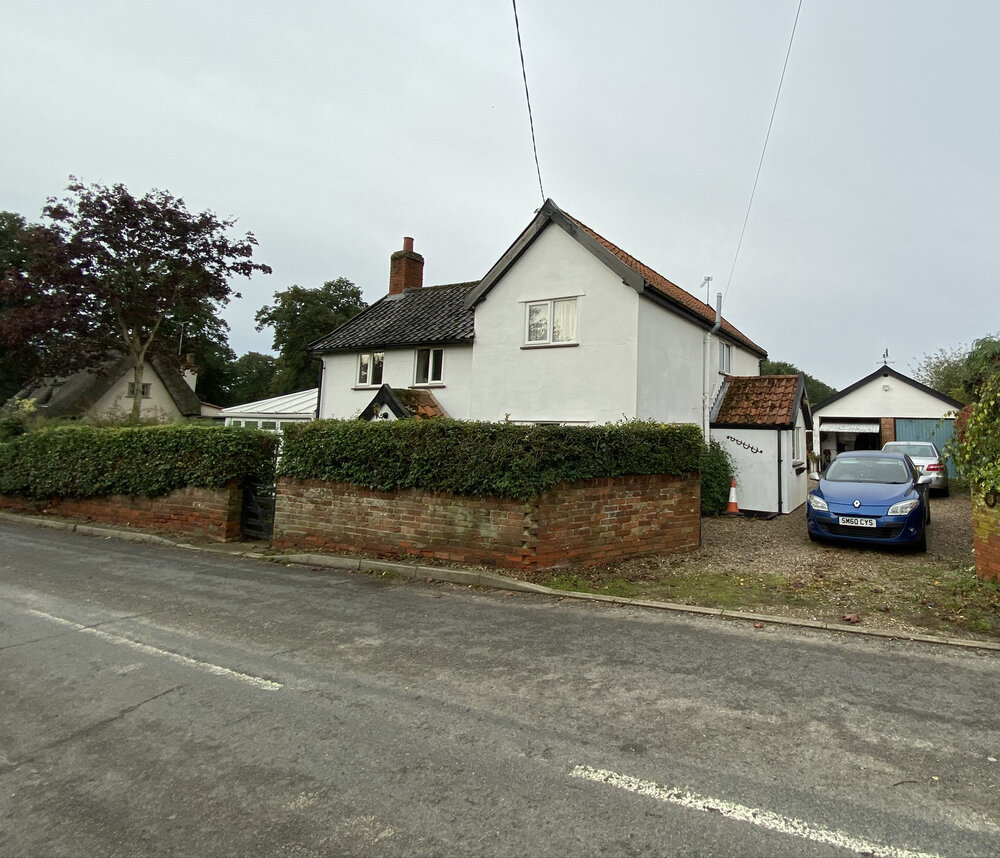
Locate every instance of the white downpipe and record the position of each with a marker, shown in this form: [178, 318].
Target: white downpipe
[706, 387]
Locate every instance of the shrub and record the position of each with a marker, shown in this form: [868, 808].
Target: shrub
[717, 472]
[87, 461]
[975, 446]
[477, 458]
[15, 417]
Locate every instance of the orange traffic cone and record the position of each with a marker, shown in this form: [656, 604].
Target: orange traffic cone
[733, 508]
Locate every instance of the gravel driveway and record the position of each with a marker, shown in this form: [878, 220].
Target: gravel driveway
[769, 566]
[781, 545]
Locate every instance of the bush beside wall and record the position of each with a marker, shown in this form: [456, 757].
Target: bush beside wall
[87, 461]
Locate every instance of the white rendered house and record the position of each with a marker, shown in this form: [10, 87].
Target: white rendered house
[565, 328]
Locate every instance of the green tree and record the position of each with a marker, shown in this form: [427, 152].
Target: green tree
[299, 316]
[251, 377]
[960, 372]
[816, 390]
[17, 363]
[125, 275]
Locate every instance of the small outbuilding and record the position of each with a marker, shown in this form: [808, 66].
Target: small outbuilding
[762, 421]
[881, 407]
[273, 414]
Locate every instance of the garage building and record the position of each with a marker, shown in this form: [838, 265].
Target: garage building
[881, 407]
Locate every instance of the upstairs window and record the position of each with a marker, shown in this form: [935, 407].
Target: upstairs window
[550, 322]
[725, 357]
[147, 388]
[370, 369]
[430, 366]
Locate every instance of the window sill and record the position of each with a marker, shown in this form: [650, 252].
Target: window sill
[531, 346]
[366, 387]
[426, 384]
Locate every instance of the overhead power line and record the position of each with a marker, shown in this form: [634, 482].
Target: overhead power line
[527, 98]
[767, 137]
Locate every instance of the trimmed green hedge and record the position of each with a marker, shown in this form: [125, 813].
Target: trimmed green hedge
[87, 461]
[474, 458]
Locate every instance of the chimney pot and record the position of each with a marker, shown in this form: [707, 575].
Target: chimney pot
[408, 244]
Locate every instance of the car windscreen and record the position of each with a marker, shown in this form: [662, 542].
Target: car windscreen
[921, 451]
[867, 470]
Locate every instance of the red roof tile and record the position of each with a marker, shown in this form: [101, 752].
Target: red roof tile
[665, 287]
[766, 400]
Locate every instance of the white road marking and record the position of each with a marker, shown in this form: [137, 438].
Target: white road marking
[742, 813]
[110, 637]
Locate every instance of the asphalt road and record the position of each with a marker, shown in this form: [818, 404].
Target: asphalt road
[159, 701]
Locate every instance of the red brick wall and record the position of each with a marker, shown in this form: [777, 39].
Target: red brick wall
[202, 513]
[888, 429]
[986, 538]
[586, 523]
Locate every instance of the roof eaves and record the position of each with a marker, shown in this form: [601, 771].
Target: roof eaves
[886, 370]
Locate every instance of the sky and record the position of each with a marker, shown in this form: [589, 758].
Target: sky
[332, 129]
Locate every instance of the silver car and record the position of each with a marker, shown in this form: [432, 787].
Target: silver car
[927, 458]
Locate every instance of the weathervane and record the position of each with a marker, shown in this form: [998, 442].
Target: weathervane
[885, 358]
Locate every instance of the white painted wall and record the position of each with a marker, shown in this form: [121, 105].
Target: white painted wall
[671, 366]
[755, 454]
[342, 398]
[900, 400]
[744, 362]
[116, 404]
[593, 382]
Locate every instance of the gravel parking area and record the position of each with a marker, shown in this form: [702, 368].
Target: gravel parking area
[770, 566]
[781, 545]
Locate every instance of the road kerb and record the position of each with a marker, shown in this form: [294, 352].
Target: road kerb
[496, 581]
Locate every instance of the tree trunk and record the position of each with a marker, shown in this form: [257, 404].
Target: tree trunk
[137, 368]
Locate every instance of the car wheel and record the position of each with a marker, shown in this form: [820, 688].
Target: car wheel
[921, 544]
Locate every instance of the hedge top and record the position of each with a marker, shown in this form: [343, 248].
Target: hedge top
[476, 458]
[87, 461]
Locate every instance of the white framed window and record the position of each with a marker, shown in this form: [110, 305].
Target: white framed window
[147, 388]
[430, 366]
[725, 357]
[370, 369]
[550, 322]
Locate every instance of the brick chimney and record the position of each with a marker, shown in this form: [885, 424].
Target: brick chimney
[406, 269]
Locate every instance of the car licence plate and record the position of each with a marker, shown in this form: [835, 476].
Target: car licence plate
[852, 521]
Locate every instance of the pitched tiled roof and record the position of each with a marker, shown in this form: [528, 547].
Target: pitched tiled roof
[420, 403]
[670, 290]
[404, 402]
[766, 400]
[427, 316]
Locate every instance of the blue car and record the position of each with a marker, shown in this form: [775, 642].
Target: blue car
[872, 498]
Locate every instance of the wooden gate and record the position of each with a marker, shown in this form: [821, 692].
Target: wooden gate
[257, 520]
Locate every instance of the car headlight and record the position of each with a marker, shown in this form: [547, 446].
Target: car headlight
[816, 502]
[903, 507]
